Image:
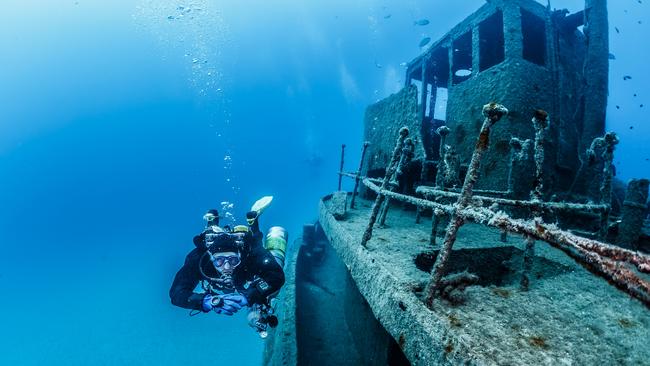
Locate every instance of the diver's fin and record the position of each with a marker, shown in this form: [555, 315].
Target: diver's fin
[261, 204]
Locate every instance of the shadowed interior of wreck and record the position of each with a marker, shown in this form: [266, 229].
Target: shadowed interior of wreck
[499, 266]
[334, 323]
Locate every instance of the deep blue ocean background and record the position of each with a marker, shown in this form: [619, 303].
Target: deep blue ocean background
[122, 121]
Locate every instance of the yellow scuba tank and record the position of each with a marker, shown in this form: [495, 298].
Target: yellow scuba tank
[240, 229]
[276, 243]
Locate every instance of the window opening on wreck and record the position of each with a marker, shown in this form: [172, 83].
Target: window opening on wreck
[491, 45]
[440, 109]
[440, 76]
[415, 78]
[534, 37]
[462, 59]
[439, 68]
[427, 107]
[418, 85]
[435, 113]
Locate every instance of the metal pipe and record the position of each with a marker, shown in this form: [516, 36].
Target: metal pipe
[603, 259]
[493, 112]
[341, 167]
[357, 177]
[403, 132]
[540, 123]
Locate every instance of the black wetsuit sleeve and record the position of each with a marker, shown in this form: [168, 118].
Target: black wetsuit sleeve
[199, 240]
[182, 291]
[268, 276]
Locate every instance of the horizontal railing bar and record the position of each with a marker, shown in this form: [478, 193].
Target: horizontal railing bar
[430, 191]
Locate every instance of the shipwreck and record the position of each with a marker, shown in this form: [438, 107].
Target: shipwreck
[484, 224]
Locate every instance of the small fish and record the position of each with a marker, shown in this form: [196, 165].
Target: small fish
[617, 30]
[171, 17]
[377, 64]
[627, 77]
[635, 94]
[612, 57]
[618, 107]
[421, 22]
[641, 106]
[403, 64]
[640, 22]
[387, 16]
[631, 127]
[425, 41]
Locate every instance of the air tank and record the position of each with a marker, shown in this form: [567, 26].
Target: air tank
[276, 243]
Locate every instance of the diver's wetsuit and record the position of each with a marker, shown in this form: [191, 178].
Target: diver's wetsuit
[257, 265]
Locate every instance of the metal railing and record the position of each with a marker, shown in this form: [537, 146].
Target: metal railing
[623, 268]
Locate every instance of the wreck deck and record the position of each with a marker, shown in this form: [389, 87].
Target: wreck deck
[567, 317]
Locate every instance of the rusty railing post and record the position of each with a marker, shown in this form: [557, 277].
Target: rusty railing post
[341, 167]
[493, 113]
[442, 131]
[611, 140]
[403, 133]
[540, 123]
[358, 177]
[405, 158]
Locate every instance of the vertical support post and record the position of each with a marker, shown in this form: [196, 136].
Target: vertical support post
[341, 167]
[424, 172]
[611, 140]
[435, 222]
[633, 214]
[540, 123]
[403, 132]
[493, 113]
[515, 151]
[443, 132]
[358, 177]
[425, 90]
[595, 71]
[405, 158]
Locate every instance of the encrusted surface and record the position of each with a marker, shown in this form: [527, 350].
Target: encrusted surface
[562, 319]
[382, 122]
[280, 348]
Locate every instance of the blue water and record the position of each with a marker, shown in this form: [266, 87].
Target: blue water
[120, 126]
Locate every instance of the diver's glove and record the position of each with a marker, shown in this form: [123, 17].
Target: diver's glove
[234, 302]
[207, 303]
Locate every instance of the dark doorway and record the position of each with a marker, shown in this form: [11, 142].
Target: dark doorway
[491, 45]
[534, 33]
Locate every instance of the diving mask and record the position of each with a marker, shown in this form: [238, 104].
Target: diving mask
[221, 260]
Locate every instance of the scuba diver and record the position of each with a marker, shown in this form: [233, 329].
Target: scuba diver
[235, 267]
